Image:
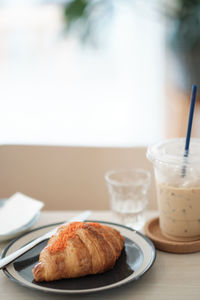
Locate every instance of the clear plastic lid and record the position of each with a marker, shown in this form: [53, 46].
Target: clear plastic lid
[172, 151]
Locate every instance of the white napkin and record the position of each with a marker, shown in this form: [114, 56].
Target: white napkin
[17, 211]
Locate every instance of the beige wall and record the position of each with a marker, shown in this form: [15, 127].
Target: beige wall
[66, 177]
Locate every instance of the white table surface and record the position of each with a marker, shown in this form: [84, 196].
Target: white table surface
[173, 276]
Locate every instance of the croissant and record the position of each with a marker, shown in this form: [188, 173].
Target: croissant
[79, 249]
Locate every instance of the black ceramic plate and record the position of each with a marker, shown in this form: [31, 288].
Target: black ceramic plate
[136, 258]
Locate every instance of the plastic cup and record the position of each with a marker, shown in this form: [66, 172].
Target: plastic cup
[128, 195]
[178, 187]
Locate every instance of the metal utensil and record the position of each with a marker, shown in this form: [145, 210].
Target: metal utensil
[10, 258]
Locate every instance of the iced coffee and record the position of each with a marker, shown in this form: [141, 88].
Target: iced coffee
[178, 188]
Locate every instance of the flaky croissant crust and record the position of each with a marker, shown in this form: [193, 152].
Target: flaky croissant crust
[79, 249]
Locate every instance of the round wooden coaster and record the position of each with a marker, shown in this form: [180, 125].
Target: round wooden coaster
[152, 230]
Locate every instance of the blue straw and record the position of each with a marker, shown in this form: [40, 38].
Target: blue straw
[189, 128]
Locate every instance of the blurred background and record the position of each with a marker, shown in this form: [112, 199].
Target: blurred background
[97, 72]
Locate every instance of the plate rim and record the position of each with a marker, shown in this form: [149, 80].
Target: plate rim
[79, 292]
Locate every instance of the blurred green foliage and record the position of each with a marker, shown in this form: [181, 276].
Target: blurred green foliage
[84, 17]
[185, 24]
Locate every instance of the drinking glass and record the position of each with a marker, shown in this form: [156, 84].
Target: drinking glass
[128, 190]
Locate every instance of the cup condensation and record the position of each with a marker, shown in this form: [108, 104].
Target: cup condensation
[178, 188]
